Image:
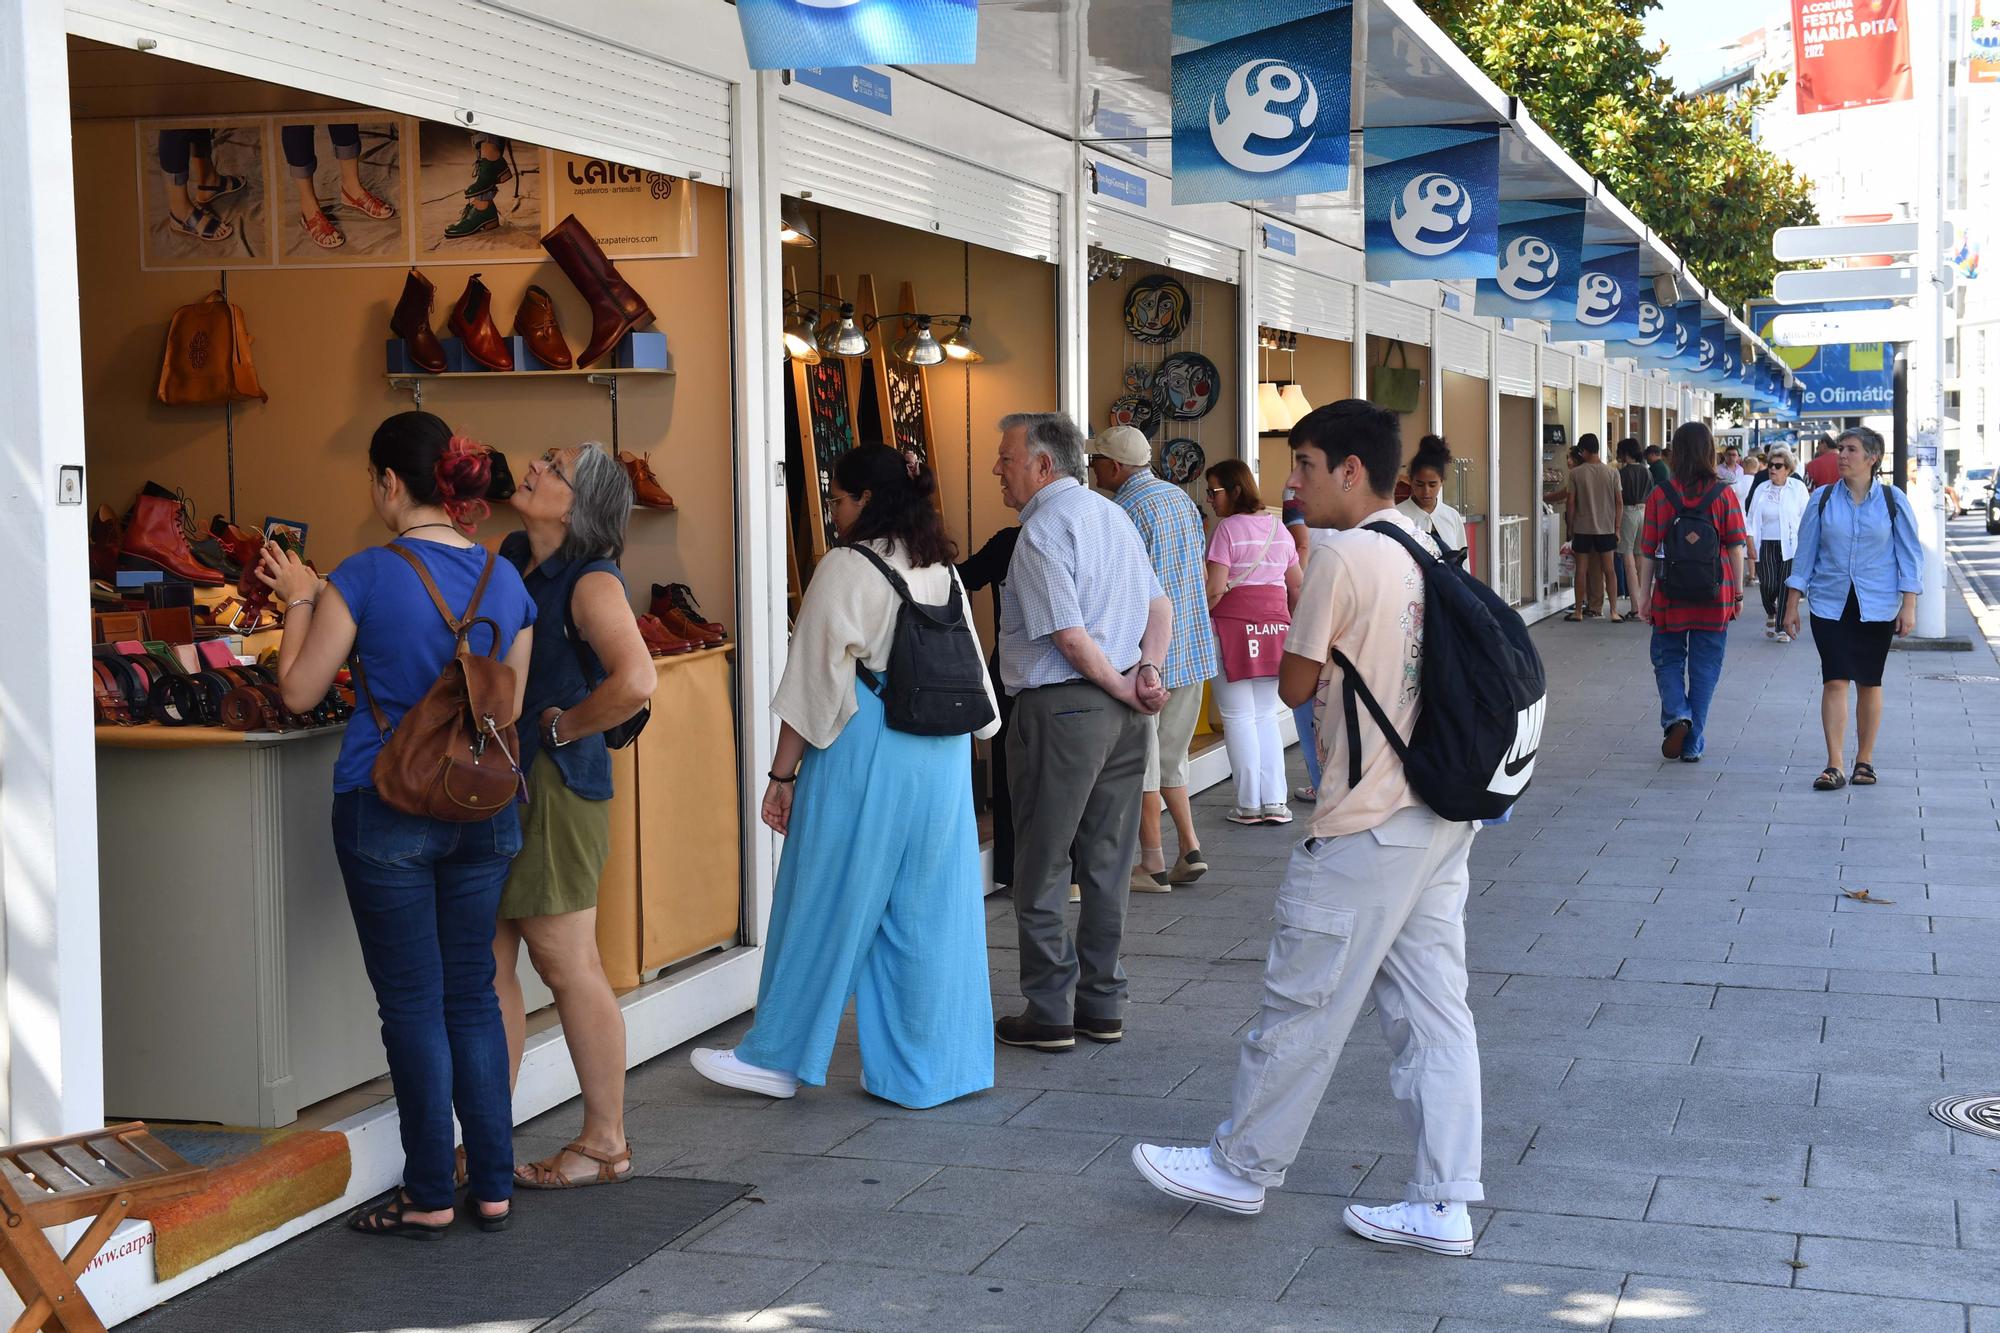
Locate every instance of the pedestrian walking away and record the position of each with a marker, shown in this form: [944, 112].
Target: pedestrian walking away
[1595, 495]
[1253, 579]
[879, 895]
[1777, 505]
[1169, 523]
[1085, 630]
[1635, 481]
[1691, 580]
[1859, 569]
[1372, 905]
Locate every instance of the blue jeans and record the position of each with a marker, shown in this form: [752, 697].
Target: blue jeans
[1687, 664]
[1302, 716]
[425, 895]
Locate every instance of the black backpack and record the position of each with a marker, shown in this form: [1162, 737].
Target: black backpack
[1472, 752]
[937, 684]
[1826, 493]
[1693, 554]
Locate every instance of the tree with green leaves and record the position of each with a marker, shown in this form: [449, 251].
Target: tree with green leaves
[1690, 167]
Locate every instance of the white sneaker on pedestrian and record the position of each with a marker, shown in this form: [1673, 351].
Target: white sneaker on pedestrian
[1189, 1173]
[1781, 637]
[1076, 893]
[1277, 813]
[1441, 1228]
[723, 1067]
[1240, 815]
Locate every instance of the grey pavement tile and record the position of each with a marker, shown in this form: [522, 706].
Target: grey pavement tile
[1884, 1268]
[1125, 1201]
[1985, 1319]
[1858, 1213]
[1979, 1224]
[871, 1299]
[1350, 1274]
[1785, 1087]
[778, 1177]
[1656, 1303]
[1985, 987]
[1834, 1126]
[991, 1107]
[1862, 1167]
[1531, 1189]
[1725, 974]
[1630, 1019]
[1904, 959]
[1172, 1119]
[1620, 991]
[1666, 1047]
[1057, 1151]
[1670, 1250]
[1199, 1265]
[1153, 1311]
[1744, 1002]
[1880, 1094]
[1663, 1154]
[1820, 1057]
[826, 1231]
[679, 1289]
[1958, 1012]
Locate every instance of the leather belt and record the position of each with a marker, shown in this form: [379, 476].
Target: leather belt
[174, 702]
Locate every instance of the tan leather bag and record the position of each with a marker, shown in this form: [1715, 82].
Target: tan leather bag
[449, 758]
[208, 356]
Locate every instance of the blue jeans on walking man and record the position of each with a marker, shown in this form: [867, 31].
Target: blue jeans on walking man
[1687, 664]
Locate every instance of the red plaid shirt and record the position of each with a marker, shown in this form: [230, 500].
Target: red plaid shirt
[1661, 506]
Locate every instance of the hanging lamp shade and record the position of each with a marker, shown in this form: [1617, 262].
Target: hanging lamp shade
[792, 225]
[800, 339]
[843, 337]
[958, 346]
[1294, 399]
[1272, 414]
[919, 347]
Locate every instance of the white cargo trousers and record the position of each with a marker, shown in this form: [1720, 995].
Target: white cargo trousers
[1376, 915]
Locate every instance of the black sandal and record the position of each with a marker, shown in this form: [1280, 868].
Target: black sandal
[1864, 773]
[1829, 779]
[386, 1219]
[1574, 616]
[491, 1221]
[224, 186]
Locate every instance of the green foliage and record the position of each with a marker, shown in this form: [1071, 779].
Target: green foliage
[1689, 167]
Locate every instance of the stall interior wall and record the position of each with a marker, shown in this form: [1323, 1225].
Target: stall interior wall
[317, 341]
[1590, 420]
[1465, 429]
[1520, 475]
[1212, 330]
[1324, 370]
[1416, 424]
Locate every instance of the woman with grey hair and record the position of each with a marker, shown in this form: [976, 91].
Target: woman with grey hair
[1777, 506]
[593, 672]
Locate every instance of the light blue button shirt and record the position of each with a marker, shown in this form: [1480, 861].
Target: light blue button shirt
[1845, 546]
[1079, 564]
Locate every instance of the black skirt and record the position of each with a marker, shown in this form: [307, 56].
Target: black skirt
[1851, 648]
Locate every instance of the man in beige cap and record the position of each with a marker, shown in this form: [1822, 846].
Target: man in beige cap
[1121, 463]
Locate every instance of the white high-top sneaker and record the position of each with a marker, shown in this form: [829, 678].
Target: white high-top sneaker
[1441, 1228]
[1189, 1173]
[723, 1067]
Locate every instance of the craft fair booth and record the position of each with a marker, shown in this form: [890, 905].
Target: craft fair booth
[1618, 419]
[1305, 287]
[1557, 375]
[1517, 419]
[1462, 392]
[1590, 416]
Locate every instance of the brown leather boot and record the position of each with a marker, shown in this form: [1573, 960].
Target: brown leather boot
[472, 320]
[661, 641]
[104, 539]
[154, 539]
[679, 597]
[615, 309]
[646, 488]
[700, 635]
[412, 323]
[536, 322]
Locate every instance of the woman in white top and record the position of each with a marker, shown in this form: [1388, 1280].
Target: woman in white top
[879, 895]
[1426, 508]
[1776, 508]
[1253, 582]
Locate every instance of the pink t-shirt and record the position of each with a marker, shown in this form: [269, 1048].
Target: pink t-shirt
[1240, 544]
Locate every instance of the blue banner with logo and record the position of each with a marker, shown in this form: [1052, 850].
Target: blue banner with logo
[1540, 263]
[1262, 95]
[796, 34]
[1607, 296]
[1838, 379]
[1708, 350]
[1652, 338]
[1687, 336]
[1432, 201]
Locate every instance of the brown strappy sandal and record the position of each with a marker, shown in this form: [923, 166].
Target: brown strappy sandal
[547, 1174]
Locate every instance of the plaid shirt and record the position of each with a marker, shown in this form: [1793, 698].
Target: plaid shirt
[1662, 505]
[1170, 525]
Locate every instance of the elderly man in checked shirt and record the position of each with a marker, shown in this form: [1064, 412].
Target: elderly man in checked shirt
[1083, 634]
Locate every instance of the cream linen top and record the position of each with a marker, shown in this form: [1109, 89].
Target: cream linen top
[848, 615]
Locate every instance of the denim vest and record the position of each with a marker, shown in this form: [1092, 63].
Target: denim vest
[557, 667]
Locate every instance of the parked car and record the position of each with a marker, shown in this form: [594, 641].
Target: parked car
[1992, 514]
[1975, 488]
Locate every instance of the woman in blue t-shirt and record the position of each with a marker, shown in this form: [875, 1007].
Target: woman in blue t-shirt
[424, 892]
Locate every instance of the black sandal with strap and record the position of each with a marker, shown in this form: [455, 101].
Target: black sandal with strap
[1829, 779]
[386, 1219]
[1864, 773]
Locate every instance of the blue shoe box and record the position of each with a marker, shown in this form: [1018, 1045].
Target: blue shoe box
[644, 351]
[399, 361]
[527, 360]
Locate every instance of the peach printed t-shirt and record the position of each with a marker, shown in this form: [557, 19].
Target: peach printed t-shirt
[1364, 595]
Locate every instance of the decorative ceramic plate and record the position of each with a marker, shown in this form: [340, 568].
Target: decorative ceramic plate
[1137, 410]
[1185, 386]
[1156, 309]
[1181, 461]
[1138, 379]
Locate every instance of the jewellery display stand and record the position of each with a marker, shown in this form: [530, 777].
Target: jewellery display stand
[824, 397]
[902, 391]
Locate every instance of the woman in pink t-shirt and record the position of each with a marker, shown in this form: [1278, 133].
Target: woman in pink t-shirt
[1253, 581]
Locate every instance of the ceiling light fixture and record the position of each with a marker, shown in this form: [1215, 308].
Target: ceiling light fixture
[792, 228]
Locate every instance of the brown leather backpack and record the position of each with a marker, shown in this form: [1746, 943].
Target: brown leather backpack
[449, 758]
[208, 356]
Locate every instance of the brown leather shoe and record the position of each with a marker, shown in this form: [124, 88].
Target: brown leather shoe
[472, 320]
[679, 624]
[154, 539]
[661, 641]
[679, 597]
[536, 322]
[412, 323]
[646, 488]
[615, 309]
[104, 539]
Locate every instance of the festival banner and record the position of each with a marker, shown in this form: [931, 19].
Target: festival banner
[1607, 296]
[1850, 53]
[1541, 261]
[1687, 336]
[1262, 97]
[1652, 340]
[1432, 201]
[1709, 338]
[1844, 379]
[808, 34]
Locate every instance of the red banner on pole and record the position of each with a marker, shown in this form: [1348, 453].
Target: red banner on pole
[1850, 53]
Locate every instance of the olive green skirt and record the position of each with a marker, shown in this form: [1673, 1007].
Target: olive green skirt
[565, 839]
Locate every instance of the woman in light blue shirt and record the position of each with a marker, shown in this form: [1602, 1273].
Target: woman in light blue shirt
[1859, 568]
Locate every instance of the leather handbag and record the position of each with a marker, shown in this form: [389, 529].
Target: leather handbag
[450, 758]
[1399, 388]
[207, 360]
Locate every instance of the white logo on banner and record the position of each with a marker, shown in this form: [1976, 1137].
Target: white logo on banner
[1528, 268]
[1432, 215]
[1598, 297]
[1251, 115]
[1680, 337]
[1652, 324]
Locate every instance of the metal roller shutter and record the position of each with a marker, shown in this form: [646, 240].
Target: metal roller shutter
[1514, 365]
[1656, 393]
[1301, 302]
[1614, 388]
[1589, 371]
[1558, 369]
[1462, 346]
[1393, 317]
[1143, 238]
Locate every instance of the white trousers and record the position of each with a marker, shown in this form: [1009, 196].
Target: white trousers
[1376, 915]
[1250, 711]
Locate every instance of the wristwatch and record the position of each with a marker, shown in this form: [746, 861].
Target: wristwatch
[555, 743]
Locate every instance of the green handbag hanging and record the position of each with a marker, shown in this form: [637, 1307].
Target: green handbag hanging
[1398, 388]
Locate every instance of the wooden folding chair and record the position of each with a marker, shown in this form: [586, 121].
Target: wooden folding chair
[51, 1181]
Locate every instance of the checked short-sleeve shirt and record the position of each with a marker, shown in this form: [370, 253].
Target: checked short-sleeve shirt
[1170, 525]
[1661, 506]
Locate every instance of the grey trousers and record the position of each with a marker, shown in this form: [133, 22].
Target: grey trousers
[1075, 759]
[1377, 915]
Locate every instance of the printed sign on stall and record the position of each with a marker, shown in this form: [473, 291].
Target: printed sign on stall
[1432, 201]
[1607, 297]
[793, 34]
[1839, 378]
[1850, 53]
[1540, 263]
[1261, 92]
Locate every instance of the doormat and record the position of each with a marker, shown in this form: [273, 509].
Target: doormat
[258, 1180]
[564, 1244]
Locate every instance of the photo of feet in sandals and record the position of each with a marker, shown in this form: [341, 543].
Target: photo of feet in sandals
[340, 197]
[203, 186]
[480, 195]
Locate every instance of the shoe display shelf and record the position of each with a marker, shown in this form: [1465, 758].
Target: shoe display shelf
[606, 377]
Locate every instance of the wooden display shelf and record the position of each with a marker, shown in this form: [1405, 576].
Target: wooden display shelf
[424, 376]
[152, 736]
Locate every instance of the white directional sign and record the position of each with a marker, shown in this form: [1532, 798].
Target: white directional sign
[1844, 240]
[1846, 284]
[1898, 324]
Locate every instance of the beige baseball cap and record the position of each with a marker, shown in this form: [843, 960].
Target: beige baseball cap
[1123, 444]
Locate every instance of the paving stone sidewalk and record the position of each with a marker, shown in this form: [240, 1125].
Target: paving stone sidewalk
[1707, 1071]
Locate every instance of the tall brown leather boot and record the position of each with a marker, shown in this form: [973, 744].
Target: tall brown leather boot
[472, 320]
[615, 309]
[154, 539]
[536, 322]
[412, 323]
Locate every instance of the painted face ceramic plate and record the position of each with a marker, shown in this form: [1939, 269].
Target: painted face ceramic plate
[1137, 410]
[1156, 309]
[1181, 461]
[1185, 386]
[1138, 379]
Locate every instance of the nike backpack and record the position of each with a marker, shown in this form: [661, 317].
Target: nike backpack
[1692, 553]
[1472, 752]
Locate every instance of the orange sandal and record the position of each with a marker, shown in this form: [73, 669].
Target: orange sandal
[322, 231]
[547, 1174]
[368, 205]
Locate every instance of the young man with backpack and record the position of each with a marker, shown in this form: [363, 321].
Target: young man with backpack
[1372, 906]
[1691, 581]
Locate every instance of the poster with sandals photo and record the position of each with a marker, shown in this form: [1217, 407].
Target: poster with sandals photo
[203, 193]
[480, 196]
[339, 194]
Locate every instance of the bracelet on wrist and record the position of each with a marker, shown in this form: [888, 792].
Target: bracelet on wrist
[298, 602]
[775, 778]
[554, 740]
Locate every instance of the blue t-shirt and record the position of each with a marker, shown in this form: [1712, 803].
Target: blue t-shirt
[401, 641]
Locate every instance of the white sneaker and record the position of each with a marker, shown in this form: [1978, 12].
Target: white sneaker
[1240, 815]
[1781, 637]
[1277, 813]
[1441, 1228]
[1076, 893]
[1189, 1173]
[723, 1067]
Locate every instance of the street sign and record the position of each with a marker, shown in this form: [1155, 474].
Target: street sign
[1844, 240]
[1898, 324]
[1846, 284]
